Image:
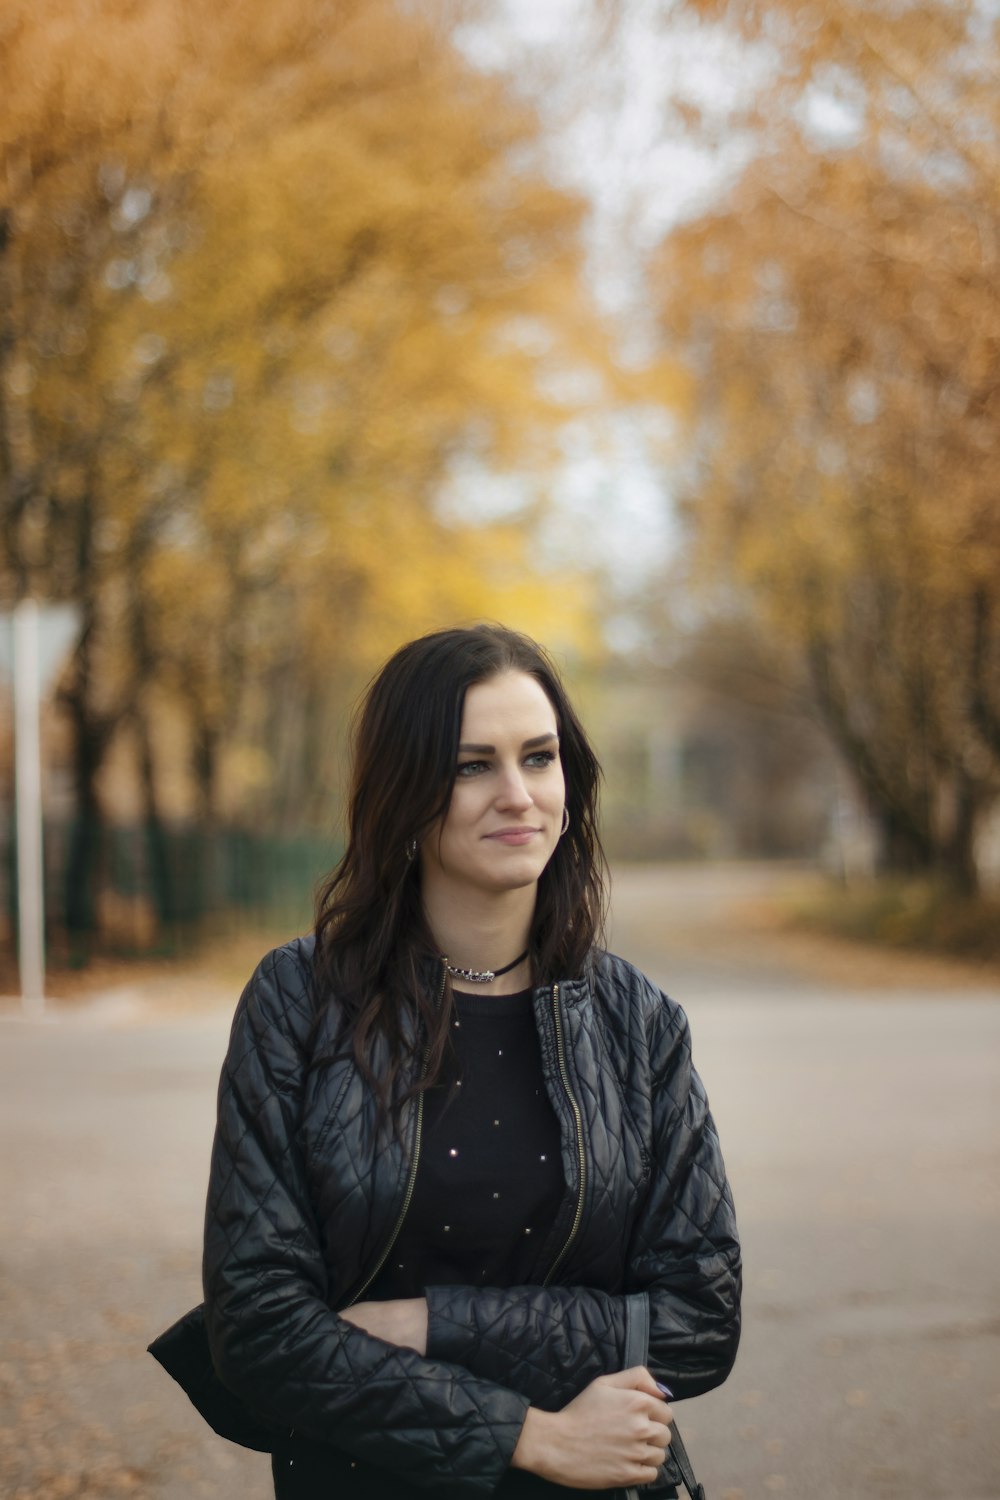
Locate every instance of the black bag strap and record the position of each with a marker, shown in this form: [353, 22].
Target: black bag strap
[680, 1456]
[636, 1352]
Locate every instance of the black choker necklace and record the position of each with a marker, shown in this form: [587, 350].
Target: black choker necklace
[484, 976]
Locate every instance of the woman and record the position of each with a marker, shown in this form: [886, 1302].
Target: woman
[467, 1216]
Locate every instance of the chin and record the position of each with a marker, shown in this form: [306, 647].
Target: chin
[514, 878]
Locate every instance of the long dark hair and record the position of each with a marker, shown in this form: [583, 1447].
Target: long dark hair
[374, 951]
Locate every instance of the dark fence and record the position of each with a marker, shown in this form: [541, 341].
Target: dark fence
[143, 890]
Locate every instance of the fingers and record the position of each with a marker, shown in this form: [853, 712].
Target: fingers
[618, 1432]
[648, 1436]
[657, 1440]
[658, 1435]
[663, 1417]
[657, 1413]
[647, 1467]
[649, 1419]
[638, 1378]
[649, 1400]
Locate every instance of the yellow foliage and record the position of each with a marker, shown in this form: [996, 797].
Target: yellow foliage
[840, 310]
[266, 276]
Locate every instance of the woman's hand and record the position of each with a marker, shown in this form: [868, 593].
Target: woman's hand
[616, 1432]
[401, 1320]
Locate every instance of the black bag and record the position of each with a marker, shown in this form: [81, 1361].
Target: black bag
[183, 1352]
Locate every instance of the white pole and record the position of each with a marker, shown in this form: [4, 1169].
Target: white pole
[28, 772]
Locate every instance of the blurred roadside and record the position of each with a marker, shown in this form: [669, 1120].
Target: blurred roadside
[745, 920]
[698, 925]
[856, 1096]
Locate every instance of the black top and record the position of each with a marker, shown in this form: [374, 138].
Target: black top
[489, 1177]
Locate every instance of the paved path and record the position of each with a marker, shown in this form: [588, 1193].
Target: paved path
[858, 1100]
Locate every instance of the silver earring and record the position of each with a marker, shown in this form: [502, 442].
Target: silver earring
[411, 850]
[565, 821]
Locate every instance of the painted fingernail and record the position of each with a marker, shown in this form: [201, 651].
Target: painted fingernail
[664, 1390]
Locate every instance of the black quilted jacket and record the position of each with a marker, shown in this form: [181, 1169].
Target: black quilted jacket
[641, 1266]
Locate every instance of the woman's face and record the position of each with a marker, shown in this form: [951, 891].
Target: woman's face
[506, 808]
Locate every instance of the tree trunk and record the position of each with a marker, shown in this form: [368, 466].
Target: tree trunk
[91, 733]
[204, 764]
[84, 857]
[984, 691]
[161, 875]
[144, 663]
[958, 854]
[906, 844]
[16, 468]
[207, 877]
[902, 848]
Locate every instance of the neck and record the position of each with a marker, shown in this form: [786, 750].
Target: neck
[480, 930]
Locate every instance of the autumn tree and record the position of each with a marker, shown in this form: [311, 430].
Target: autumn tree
[265, 275]
[838, 311]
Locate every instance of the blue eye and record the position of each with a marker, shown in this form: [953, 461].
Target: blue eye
[538, 760]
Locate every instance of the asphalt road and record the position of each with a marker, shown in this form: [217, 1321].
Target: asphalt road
[858, 1100]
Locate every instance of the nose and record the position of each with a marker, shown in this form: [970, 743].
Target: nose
[513, 794]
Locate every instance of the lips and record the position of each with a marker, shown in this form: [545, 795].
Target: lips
[514, 837]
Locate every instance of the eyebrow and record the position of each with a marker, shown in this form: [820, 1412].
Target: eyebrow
[539, 739]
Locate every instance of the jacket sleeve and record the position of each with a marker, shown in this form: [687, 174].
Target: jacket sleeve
[275, 1341]
[683, 1260]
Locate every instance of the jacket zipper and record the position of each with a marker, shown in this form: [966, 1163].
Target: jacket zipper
[412, 1175]
[578, 1118]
